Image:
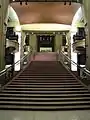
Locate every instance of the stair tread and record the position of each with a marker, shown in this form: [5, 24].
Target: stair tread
[49, 92]
[25, 88]
[46, 86]
[44, 95]
[53, 78]
[34, 80]
[20, 83]
[46, 103]
[27, 75]
[43, 99]
[19, 107]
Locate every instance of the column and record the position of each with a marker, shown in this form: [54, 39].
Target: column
[3, 9]
[86, 4]
[22, 44]
[33, 42]
[58, 41]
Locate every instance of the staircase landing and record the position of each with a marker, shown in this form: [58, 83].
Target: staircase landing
[45, 56]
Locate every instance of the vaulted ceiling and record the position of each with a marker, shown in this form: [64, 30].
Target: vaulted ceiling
[45, 12]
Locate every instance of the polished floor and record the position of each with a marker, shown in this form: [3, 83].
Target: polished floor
[32, 115]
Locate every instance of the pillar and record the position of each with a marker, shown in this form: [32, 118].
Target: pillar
[22, 44]
[58, 41]
[86, 4]
[3, 10]
[33, 42]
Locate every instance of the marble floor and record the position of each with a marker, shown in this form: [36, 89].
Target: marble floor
[33, 115]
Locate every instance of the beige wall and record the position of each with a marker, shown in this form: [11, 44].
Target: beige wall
[58, 41]
[33, 41]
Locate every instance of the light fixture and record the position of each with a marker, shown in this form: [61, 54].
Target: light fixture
[70, 3]
[65, 3]
[26, 2]
[20, 2]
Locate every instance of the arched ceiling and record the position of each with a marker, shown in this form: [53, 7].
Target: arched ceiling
[49, 12]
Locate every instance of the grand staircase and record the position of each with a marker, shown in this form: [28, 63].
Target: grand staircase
[45, 85]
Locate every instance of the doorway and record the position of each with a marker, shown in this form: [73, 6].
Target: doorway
[45, 43]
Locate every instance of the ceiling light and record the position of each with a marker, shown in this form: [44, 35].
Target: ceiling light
[25, 3]
[70, 3]
[20, 2]
[65, 3]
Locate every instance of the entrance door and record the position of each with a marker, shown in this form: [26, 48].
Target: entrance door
[45, 43]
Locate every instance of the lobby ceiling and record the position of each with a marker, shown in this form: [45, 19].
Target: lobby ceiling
[45, 12]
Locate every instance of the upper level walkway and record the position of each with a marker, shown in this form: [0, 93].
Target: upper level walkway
[45, 56]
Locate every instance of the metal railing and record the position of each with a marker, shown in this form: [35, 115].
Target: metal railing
[8, 73]
[81, 73]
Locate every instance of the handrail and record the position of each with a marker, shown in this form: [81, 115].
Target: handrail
[23, 58]
[87, 72]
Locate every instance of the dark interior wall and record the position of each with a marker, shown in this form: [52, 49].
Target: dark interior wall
[57, 42]
[45, 41]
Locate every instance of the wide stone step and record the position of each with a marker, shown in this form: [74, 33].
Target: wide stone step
[51, 78]
[45, 89]
[61, 103]
[44, 76]
[45, 86]
[47, 95]
[44, 81]
[49, 99]
[44, 108]
[28, 83]
[14, 91]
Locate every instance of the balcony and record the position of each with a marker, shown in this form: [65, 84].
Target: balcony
[79, 46]
[13, 44]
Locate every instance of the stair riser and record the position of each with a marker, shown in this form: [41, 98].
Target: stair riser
[19, 83]
[17, 86]
[45, 89]
[44, 81]
[16, 95]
